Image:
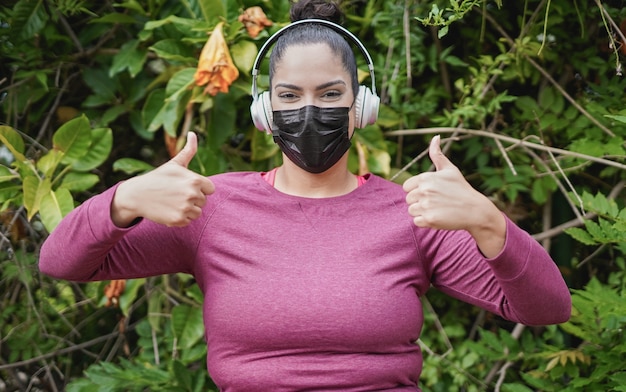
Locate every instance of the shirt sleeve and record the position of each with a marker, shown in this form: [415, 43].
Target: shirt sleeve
[521, 284]
[87, 246]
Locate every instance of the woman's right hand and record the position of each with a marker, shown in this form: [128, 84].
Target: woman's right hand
[171, 194]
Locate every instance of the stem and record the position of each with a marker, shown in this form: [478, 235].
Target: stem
[613, 44]
[508, 139]
[545, 29]
[64, 351]
[551, 80]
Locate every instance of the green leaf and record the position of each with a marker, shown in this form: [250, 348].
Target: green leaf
[167, 118]
[115, 18]
[132, 5]
[29, 17]
[542, 188]
[617, 118]
[54, 206]
[129, 295]
[212, 9]
[594, 230]
[13, 141]
[262, 146]
[155, 310]
[112, 113]
[73, 138]
[179, 83]
[222, 122]
[131, 166]
[515, 388]
[183, 24]
[12, 195]
[101, 143]
[152, 107]
[604, 206]
[443, 31]
[167, 112]
[173, 50]
[48, 163]
[580, 235]
[187, 325]
[379, 162]
[7, 174]
[619, 379]
[130, 57]
[491, 339]
[104, 89]
[182, 375]
[34, 190]
[79, 182]
[244, 53]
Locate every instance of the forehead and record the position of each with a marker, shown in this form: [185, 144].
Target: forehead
[310, 62]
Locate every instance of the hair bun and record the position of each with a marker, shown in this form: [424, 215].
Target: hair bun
[316, 9]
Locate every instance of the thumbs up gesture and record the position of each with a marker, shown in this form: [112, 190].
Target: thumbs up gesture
[443, 199]
[170, 194]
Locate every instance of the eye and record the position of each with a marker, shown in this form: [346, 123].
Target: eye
[287, 96]
[332, 95]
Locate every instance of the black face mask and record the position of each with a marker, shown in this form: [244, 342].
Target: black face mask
[313, 138]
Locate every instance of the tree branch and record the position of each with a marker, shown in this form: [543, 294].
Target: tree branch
[508, 139]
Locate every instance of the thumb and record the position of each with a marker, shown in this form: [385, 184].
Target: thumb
[185, 155]
[436, 155]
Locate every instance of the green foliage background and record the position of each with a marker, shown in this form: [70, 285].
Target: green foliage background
[530, 100]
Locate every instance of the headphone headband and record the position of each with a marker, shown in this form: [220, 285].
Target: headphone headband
[346, 33]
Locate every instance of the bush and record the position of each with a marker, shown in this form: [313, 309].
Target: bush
[530, 100]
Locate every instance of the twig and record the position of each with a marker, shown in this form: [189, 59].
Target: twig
[70, 32]
[46, 370]
[502, 376]
[63, 351]
[406, 30]
[53, 108]
[505, 155]
[439, 327]
[546, 221]
[420, 156]
[508, 139]
[575, 222]
[558, 183]
[550, 79]
[477, 324]
[384, 82]
[408, 165]
[618, 31]
[515, 334]
[513, 47]
[430, 352]
[591, 256]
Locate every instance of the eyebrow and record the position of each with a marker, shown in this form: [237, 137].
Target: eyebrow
[320, 87]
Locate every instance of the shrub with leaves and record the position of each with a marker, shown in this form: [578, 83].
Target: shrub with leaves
[529, 96]
[44, 186]
[595, 363]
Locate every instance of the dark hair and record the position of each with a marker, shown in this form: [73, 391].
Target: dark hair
[311, 33]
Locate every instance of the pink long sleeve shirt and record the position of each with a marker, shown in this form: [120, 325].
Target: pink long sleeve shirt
[311, 294]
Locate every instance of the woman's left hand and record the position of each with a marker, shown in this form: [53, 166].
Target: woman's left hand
[443, 199]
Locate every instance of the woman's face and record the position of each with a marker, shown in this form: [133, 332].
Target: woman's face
[311, 75]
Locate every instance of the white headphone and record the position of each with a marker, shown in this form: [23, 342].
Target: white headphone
[366, 102]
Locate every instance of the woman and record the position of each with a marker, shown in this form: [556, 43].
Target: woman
[312, 275]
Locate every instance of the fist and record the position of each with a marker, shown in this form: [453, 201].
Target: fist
[442, 199]
[171, 194]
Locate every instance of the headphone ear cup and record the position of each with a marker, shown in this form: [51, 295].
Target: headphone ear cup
[366, 107]
[261, 112]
